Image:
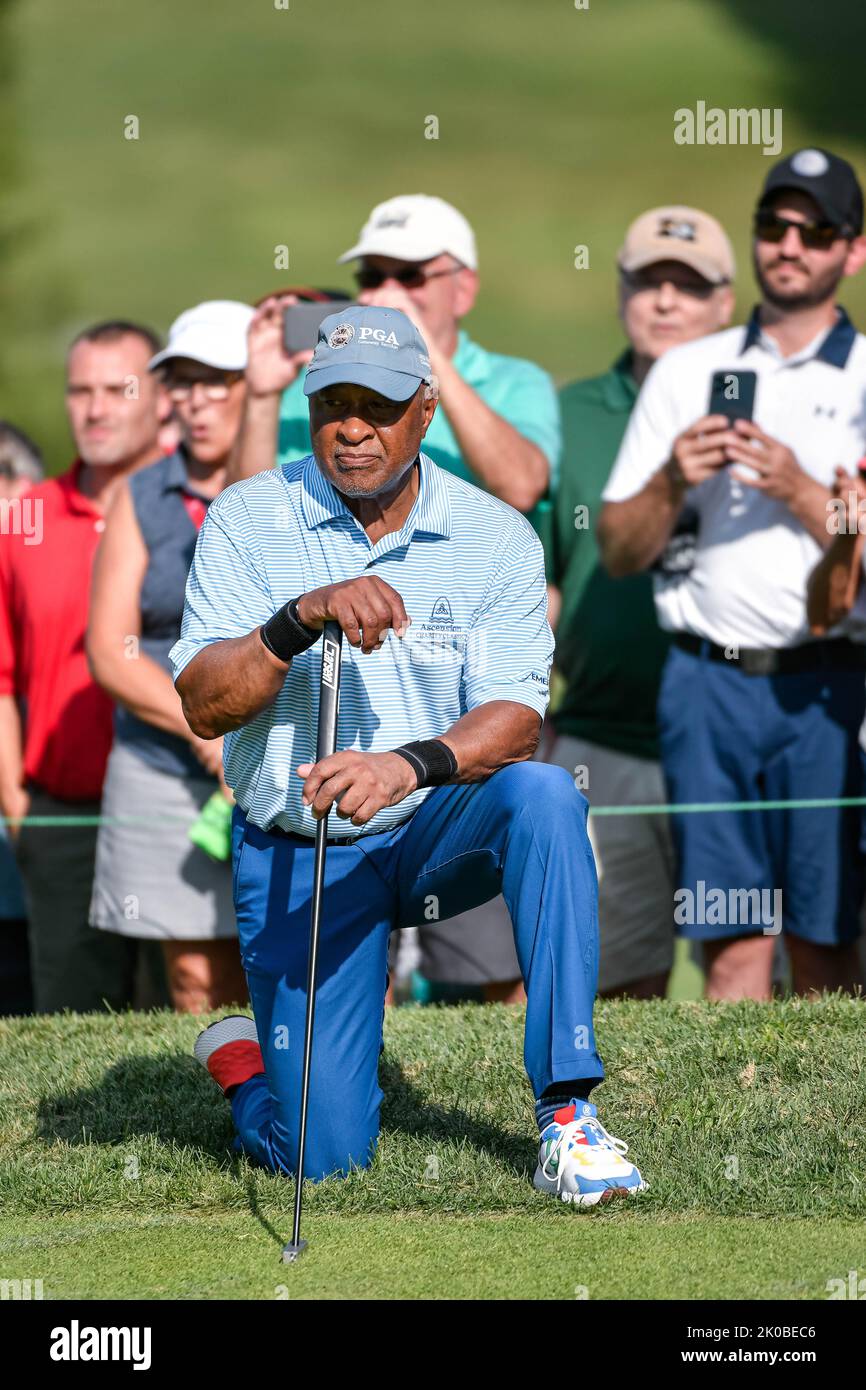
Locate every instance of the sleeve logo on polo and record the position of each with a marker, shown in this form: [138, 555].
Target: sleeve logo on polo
[341, 336]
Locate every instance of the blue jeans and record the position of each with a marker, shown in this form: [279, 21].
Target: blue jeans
[522, 832]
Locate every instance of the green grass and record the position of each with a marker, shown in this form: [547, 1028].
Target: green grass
[262, 127]
[116, 1178]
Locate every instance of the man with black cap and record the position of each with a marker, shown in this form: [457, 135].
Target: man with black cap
[751, 709]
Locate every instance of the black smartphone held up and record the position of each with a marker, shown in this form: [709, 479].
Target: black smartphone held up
[732, 393]
[301, 322]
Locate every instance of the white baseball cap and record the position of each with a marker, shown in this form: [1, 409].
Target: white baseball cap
[415, 227]
[214, 333]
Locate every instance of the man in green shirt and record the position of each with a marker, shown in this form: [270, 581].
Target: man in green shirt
[675, 272]
[497, 426]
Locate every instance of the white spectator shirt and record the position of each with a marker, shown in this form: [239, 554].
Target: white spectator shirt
[752, 558]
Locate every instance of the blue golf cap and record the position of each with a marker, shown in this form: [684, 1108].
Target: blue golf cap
[365, 345]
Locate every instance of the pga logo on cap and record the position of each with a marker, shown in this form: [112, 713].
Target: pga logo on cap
[378, 335]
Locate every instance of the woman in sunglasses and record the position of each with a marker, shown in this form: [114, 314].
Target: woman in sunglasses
[151, 881]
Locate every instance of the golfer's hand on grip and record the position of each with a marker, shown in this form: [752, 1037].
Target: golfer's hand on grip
[366, 608]
[356, 785]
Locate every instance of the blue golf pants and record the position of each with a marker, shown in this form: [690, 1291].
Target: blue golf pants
[522, 832]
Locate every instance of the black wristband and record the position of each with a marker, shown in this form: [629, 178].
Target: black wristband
[433, 761]
[285, 635]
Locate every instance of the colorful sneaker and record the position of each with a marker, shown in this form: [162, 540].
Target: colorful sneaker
[579, 1162]
[230, 1050]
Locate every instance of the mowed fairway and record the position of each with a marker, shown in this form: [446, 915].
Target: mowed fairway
[117, 1180]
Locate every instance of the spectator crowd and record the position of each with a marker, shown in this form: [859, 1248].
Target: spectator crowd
[699, 502]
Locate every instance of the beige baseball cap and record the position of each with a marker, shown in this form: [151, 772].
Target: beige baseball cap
[415, 227]
[679, 234]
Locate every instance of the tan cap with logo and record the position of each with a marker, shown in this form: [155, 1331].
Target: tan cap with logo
[679, 234]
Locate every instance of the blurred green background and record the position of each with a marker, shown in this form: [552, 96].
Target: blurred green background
[262, 126]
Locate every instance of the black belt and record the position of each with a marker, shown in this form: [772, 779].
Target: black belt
[837, 654]
[308, 841]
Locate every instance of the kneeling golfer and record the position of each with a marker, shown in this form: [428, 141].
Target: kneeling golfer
[439, 590]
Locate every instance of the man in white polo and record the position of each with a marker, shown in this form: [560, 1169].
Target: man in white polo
[750, 708]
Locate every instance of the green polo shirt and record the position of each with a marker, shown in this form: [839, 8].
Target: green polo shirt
[520, 392]
[609, 648]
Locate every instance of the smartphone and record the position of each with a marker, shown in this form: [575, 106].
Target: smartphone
[732, 393]
[301, 322]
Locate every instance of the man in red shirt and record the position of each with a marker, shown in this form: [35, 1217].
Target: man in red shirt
[55, 722]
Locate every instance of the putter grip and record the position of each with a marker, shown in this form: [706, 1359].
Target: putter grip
[329, 693]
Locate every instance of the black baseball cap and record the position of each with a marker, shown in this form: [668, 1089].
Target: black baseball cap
[828, 179]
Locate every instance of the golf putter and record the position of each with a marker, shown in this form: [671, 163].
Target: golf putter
[326, 743]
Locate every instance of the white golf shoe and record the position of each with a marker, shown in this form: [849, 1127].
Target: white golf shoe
[579, 1162]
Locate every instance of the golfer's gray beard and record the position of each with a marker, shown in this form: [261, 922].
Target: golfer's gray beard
[349, 488]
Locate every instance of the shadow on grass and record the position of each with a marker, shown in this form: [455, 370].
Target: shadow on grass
[173, 1101]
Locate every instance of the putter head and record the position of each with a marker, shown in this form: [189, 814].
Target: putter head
[291, 1252]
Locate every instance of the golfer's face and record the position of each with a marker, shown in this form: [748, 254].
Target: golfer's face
[364, 442]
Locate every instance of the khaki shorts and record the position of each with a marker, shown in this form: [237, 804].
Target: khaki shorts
[634, 856]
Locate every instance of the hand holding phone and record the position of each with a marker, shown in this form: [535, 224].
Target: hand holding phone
[270, 369]
[700, 451]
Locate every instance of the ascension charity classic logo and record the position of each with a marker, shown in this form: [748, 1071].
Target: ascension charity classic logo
[77, 1343]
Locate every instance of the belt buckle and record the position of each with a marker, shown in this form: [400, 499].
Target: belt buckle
[762, 661]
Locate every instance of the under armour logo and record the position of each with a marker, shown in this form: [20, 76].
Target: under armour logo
[829, 411]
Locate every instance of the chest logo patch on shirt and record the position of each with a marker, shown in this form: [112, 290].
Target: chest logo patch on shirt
[441, 611]
[441, 639]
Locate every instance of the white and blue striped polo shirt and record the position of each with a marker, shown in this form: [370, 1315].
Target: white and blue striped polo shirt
[470, 571]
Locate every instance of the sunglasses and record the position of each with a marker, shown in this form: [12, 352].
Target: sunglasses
[411, 277]
[639, 283]
[769, 226]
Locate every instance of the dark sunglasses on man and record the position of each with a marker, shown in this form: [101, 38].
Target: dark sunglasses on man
[411, 277]
[815, 236]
